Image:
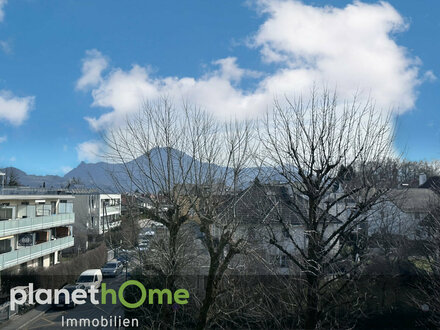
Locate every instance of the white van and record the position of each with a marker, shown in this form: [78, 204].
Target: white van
[90, 277]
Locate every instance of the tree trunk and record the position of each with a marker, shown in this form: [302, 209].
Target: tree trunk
[209, 297]
[311, 319]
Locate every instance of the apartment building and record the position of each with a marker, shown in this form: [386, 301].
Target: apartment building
[96, 212]
[34, 229]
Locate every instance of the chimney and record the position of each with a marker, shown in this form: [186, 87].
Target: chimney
[422, 179]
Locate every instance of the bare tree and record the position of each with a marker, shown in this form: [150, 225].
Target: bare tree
[231, 147]
[154, 148]
[309, 142]
[185, 165]
[426, 297]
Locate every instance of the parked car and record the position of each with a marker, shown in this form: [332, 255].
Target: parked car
[146, 233]
[123, 258]
[62, 301]
[112, 268]
[90, 277]
[149, 232]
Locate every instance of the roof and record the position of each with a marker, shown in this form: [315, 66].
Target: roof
[414, 199]
[432, 183]
[34, 197]
[263, 203]
[90, 272]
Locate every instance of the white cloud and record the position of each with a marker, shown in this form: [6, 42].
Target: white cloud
[2, 11]
[90, 151]
[230, 71]
[3, 138]
[429, 76]
[15, 109]
[351, 48]
[93, 65]
[12, 159]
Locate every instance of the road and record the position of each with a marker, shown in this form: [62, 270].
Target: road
[52, 319]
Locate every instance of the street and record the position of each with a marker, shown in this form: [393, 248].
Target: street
[52, 319]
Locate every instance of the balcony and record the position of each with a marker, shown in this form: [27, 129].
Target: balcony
[17, 257]
[108, 210]
[17, 226]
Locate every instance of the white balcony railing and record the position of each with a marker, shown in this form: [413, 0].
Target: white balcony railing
[17, 257]
[17, 226]
[116, 209]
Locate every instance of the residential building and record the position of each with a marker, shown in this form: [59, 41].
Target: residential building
[401, 211]
[96, 212]
[267, 212]
[34, 229]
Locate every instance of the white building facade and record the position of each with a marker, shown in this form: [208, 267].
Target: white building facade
[34, 229]
[97, 213]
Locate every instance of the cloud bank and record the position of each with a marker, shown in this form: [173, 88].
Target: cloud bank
[352, 48]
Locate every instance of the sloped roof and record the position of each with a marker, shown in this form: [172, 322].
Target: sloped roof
[414, 199]
[432, 183]
[263, 203]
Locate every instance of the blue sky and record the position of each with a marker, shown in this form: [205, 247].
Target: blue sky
[62, 62]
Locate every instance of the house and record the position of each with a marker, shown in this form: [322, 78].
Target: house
[401, 211]
[270, 212]
[34, 228]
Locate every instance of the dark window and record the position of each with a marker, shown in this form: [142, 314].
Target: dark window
[85, 279]
[53, 206]
[5, 213]
[283, 261]
[5, 246]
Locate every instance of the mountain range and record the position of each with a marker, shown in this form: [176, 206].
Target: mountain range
[102, 175]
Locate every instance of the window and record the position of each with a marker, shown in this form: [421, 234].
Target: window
[280, 261]
[5, 213]
[5, 246]
[41, 209]
[53, 206]
[65, 207]
[85, 279]
[283, 261]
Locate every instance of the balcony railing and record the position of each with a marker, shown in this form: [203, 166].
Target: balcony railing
[111, 209]
[17, 226]
[20, 256]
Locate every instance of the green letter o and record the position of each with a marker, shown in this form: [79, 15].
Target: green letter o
[121, 294]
